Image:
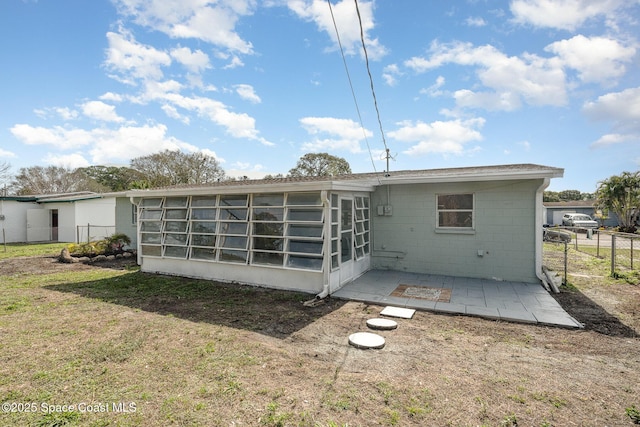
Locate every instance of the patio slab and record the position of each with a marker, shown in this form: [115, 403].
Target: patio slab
[498, 300]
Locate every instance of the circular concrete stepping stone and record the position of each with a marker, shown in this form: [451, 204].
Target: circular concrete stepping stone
[382, 324]
[366, 340]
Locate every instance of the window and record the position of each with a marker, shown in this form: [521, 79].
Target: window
[455, 211]
[283, 230]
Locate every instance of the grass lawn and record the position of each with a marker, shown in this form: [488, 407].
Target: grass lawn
[85, 345]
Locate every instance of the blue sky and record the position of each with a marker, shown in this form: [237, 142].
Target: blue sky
[257, 84]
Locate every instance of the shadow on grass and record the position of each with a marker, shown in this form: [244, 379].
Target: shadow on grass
[270, 312]
[592, 315]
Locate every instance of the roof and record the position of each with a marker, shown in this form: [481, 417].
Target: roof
[62, 197]
[571, 204]
[364, 181]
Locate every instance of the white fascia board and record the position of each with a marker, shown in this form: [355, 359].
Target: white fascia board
[447, 178]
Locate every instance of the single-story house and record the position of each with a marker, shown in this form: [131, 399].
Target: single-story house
[315, 234]
[68, 217]
[555, 211]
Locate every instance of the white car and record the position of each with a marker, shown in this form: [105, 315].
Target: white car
[578, 220]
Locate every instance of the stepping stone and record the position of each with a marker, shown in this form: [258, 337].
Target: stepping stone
[403, 313]
[382, 324]
[365, 340]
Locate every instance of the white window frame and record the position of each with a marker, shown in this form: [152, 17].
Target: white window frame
[456, 228]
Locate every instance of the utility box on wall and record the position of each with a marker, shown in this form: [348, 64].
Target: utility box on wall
[385, 210]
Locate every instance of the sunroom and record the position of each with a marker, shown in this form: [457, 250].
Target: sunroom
[306, 236]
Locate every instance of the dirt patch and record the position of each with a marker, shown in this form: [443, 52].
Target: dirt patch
[204, 353]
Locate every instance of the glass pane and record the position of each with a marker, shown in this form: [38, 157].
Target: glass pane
[304, 215]
[151, 238]
[334, 231]
[359, 215]
[268, 199]
[455, 219]
[334, 261]
[151, 250]
[151, 203]
[311, 199]
[206, 254]
[268, 214]
[203, 214]
[233, 214]
[359, 253]
[305, 247]
[334, 215]
[175, 239]
[233, 256]
[334, 200]
[177, 226]
[305, 230]
[203, 201]
[267, 244]
[151, 214]
[455, 201]
[359, 203]
[268, 229]
[203, 227]
[176, 202]
[203, 240]
[175, 214]
[150, 226]
[346, 215]
[266, 258]
[233, 228]
[334, 246]
[359, 227]
[346, 245]
[308, 263]
[359, 240]
[233, 200]
[233, 242]
[175, 252]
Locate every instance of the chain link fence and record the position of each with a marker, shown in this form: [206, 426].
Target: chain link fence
[88, 233]
[565, 246]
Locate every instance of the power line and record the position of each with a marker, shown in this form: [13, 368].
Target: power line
[353, 94]
[373, 92]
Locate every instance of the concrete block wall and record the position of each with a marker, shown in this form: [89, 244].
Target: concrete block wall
[504, 231]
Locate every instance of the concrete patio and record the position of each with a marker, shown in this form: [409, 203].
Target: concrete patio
[492, 299]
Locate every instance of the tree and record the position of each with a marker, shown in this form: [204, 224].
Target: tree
[113, 178]
[320, 164]
[5, 167]
[621, 195]
[51, 180]
[174, 167]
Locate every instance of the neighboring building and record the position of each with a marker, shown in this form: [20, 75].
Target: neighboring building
[555, 211]
[69, 217]
[315, 234]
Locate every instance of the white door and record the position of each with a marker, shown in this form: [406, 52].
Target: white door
[38, 227]
[346, 240]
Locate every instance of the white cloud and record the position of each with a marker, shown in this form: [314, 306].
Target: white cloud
[511, 80]
[57, 136]
[110, 96]
[434, 90]
[130, 61]
[475, 21]
[443, 137]
[172, 112]
[5, 153]
[344, 134]
[72, 161]
[597, 59]
[563, 14]
[620, 108]
[127, 142]
[98, 110]
[195, 61]
[248, 93]
[212, 22]
[390, 74]
[346, 19]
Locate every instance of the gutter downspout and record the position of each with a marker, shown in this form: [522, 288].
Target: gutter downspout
[539, 209]
[326, 248]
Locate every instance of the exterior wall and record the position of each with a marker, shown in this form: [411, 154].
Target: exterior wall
[295, 280]
[14, 224]
[100, 214]
[124, 220]
[504, 230]
[66, 220]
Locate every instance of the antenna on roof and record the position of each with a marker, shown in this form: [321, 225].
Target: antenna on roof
[386, 157]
